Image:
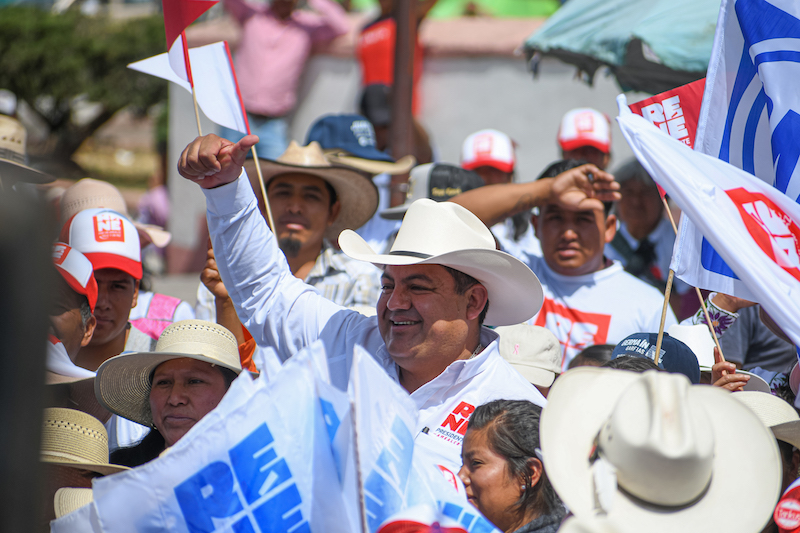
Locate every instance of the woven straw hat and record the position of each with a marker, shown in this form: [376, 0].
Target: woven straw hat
[778, 415]
[74, 438]
[13, 153]
[123, 382]
[68, 499]
[357, 194]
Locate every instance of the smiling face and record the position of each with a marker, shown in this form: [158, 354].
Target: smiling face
[117, 292]
[301, 206]
[573, 241]
[184, 391]
[424, 322]
[488, 482]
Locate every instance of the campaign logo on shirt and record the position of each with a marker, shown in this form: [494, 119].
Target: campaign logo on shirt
[108, 228]
[60, 252]
[773, 230]
[455, 425]
[574, 329]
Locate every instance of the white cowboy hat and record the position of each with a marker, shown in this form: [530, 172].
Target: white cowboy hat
[777, 414]
[653, 453]
[698, 339]
[122, 384]
[13, 154]
[533, 351]
[356, 193]
[447, 234]
[75, 439]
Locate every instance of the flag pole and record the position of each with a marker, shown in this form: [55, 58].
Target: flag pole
[362, 504]
[696, 289]
[663, 315]
[191, 81]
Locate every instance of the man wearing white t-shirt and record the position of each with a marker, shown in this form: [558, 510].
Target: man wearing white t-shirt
[588, 299]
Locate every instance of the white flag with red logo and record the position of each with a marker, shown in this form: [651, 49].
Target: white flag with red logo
[178, 14]
[753, 226]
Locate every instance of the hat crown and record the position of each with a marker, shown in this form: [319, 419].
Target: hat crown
[661, 445]
[193, 337]
[304, 156]
[446, 227]
[91, 193]
[70, 436]
[12, 139]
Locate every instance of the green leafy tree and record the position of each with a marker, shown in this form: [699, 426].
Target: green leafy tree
[49, 60]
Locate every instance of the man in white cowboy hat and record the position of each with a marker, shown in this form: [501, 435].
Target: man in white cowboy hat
[312, 201]
[13, 156]
[153, 311]
[442, 279]
[651, 452]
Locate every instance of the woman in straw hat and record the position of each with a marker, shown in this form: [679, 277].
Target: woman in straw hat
[502, 468]
[169, 389]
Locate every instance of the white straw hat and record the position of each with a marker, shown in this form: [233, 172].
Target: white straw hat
[13, 154]
[75, 439]
[123, 382]
[533, 351]
[777, 414]
[68, 499]
[447, 234]
[679, 453]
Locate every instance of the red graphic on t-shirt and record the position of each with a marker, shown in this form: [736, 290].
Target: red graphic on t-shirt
[773, 230]
[60, 252]
[574, 329]
[108, 227]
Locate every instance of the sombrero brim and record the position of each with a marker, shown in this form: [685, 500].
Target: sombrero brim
[515, 293]
[755, 384]
[68, 499]
[580, 403]
[101, 468]
[13, 171]
[401, 166]
[122, 384]
[158, 236]
[396, 212]
[357, 194]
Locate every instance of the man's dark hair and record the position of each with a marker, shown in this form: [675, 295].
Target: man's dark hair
[633, 363]
[562, 165]
[86, 312]
[596, 355]
[513, 432]
[464, 282]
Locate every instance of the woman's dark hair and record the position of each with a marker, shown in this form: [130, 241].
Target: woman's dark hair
[513, 432]
[633, 363]
[595, 355]
[145, 451]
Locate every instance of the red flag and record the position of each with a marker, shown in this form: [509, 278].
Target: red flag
[178, 14]
[675, 112]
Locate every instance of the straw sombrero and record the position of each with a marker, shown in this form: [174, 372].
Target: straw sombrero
[651, 452]
[356, 193]
[76, 439]
[123, 382]
[777, 414]
[68, 499]
[13, 156]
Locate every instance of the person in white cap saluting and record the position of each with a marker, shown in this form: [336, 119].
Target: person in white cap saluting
[442, 279]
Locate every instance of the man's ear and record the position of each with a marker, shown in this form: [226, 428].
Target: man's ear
[611, 228]
[88, 333]
[334, 212]
[535, 224]
[477, 298]
[136, 283]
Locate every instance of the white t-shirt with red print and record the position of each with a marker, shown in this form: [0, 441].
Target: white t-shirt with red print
[603, 307]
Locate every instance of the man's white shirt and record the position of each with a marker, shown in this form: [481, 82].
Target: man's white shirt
[283, 312]
[603, 307]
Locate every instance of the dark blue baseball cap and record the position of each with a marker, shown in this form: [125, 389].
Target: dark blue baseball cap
[675, 356]
[353, 134]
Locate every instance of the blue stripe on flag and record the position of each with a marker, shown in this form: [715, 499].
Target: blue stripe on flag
[712, 261]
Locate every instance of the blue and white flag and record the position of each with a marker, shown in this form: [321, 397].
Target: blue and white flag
[750, 118]
[754, 227]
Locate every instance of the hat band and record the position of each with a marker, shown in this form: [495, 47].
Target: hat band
[12, 155]
[418, 255]
[70, 457]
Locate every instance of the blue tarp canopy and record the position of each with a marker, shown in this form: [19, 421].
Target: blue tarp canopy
[649, 45]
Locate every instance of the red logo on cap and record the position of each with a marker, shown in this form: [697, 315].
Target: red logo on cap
[773, 230]
[787, 513]
[108, 227]
[483, 144]
[60, 252]
[584, 122]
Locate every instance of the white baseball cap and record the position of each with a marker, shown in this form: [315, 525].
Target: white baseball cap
[488, 148]
[76, 270]
[585, 127]
[107, 239]
[533, 351]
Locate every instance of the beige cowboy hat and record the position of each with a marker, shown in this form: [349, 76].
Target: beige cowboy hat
[122, 384]
[75, 439]
[342, 158]
[13, 154]
[533, 351]
[447, 234]
[89, 193]
[356, 193]
[68, 499]
[698, 339]
[651, 452]
[777, 414]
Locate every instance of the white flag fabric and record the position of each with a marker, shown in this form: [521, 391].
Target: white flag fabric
[261, 461]
[749, 118]
[213, 75]
[754, 227]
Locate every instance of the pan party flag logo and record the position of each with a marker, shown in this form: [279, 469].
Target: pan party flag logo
[108, 227]
[774, 231]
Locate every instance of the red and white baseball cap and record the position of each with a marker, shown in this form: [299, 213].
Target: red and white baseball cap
[76, 270]
[106, 238]
[488, 148]
[585, 127]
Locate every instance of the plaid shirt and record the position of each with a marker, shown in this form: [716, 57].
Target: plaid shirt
[345, 281]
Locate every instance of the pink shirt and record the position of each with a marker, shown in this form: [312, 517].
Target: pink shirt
[272, 52]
